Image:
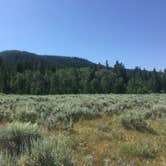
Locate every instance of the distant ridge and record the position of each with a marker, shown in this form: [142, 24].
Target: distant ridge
[13, 57]
[22, 72]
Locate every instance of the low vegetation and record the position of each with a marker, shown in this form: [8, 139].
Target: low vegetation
[136, 122]
[16, 136]
[83, 130]
[144, 150]
[50, 152]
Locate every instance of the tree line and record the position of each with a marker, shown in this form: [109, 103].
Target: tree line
[40, 79]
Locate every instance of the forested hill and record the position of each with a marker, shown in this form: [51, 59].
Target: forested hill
[22, 57]
[28, 73]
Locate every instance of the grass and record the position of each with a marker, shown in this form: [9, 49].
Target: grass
[50, 152]
[16, 136]
[6, 159]
[104, 127]
[144, 150]
[83, 130]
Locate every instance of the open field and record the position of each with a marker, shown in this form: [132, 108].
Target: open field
[83, 130]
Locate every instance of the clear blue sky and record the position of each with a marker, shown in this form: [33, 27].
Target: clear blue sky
[131, 31]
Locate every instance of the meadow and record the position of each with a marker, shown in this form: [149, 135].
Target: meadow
[83, 130]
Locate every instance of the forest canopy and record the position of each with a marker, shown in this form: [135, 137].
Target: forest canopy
[28, 73]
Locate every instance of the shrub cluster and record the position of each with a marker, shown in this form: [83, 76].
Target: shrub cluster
[136, 122]
[5, 115]
[22, 144]
[26, 116]
[50, 152]
[16, 136]
[157, 112]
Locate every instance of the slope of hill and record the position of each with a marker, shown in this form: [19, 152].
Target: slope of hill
[28, 73]
[13, 57]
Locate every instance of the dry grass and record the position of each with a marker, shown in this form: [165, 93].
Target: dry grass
[106, 146]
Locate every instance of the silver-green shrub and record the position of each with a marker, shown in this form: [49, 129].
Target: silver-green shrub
[15, 136]
[136, 122]
[26, 116]
[48, 152]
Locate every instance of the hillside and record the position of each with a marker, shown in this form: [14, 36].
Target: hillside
[13, 57]
[28, 73]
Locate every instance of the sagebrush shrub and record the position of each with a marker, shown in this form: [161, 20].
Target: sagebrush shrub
[56, 121]
[136, 122]
[157, 112]
[5, 115]
[26, 116]
[49, 152]
[14, 137]
[82, 113]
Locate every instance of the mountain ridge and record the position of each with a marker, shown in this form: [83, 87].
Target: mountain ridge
[12, 57]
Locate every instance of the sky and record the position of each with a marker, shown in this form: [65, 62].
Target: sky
[130, 31]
